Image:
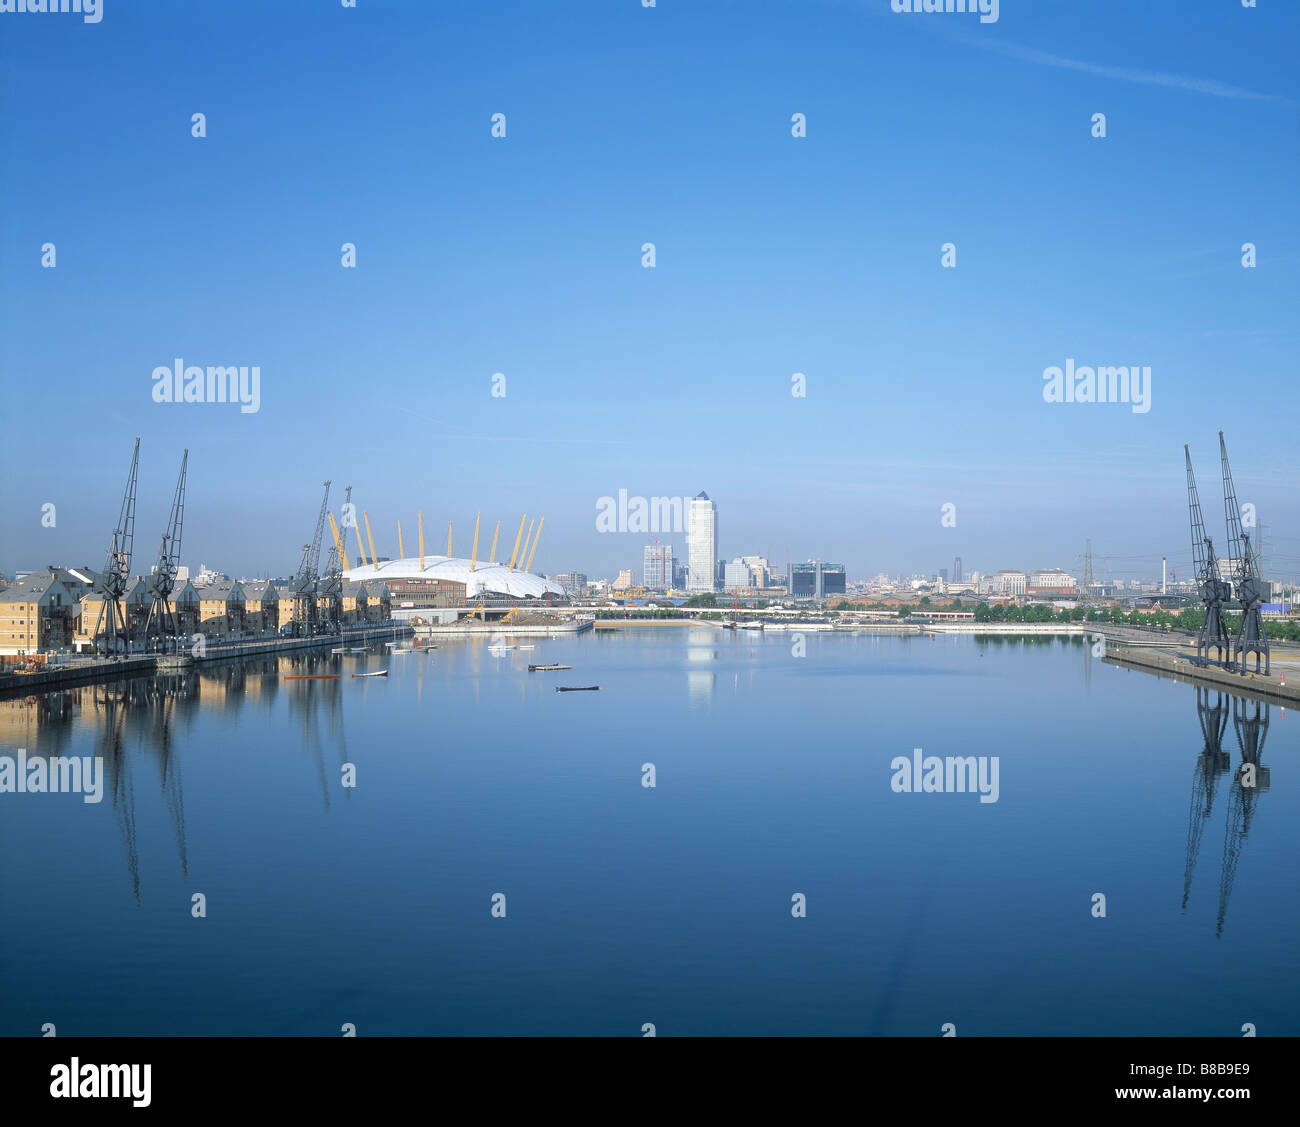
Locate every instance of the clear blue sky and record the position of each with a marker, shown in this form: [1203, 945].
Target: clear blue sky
[671, 125]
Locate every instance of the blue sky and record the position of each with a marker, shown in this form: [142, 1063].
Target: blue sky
[775, 255]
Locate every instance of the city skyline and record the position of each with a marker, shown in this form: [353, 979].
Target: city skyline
[818, 256]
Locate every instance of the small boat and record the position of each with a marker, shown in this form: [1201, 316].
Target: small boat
[546, 668]
[577, 688]
[359, 650]
[376, 673]
[339, 650]
[525, 647]
[310, 677]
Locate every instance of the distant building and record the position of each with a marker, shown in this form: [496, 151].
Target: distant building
[574, 582]
[657, 567]
[817, 580]
[701, 543]
[760, 575]
[1008, 582]
[736, 574]
[956, 570]
[624, 580]
[1051, 581]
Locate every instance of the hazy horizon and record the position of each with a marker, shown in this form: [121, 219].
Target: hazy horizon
[774, 255]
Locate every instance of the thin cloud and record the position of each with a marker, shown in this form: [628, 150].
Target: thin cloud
[1209, 86]
[1126, 74]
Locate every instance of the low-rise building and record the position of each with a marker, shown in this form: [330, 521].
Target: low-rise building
[36, 614]
[261, 605]
[221, 607]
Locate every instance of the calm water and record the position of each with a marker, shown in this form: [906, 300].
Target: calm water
[669, 905]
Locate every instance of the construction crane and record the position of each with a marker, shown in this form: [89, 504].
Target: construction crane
[305, 582]
[111, 582]
[1251, 588]
[1214, 589]
[162, 582]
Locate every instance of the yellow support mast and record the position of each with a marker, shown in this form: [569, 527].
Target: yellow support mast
[449, 539]
[535, 541]
[527, 537]
[473, 552]
[518, 536]
[374, 560]
[421, 539]
[361, 544]
[492, 555]
[340, 544]
[401, 552]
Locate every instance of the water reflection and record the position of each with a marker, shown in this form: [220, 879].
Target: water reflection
[1250, 719]
[138, 723]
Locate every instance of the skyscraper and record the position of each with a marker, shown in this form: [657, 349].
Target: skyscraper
[701, 544]
[956, 570]
[657, 567]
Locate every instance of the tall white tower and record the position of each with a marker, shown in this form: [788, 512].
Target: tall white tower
[701, 543]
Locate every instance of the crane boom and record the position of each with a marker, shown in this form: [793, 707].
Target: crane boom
[1198, 523]
[1251, 587]
[314, 566]
[162, 582]
[112, 581]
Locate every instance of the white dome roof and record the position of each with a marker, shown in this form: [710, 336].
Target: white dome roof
[489, 578]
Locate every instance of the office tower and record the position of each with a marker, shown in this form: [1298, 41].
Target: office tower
[657, 567]
[701, 544]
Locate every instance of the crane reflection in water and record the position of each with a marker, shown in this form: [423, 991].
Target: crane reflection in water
[149, 719]
[1215, 709]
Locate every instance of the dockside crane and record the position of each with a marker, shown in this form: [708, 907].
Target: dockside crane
[112, 581]
[1250, 585]
[306, 581]
[1214, 589]
[162, 582]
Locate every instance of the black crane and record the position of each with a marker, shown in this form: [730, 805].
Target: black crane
[1214, 589]
[1251, 588]
[162, 582]
[306, 581]
[111, 582]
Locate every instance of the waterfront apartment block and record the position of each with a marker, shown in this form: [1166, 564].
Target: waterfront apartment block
[261, 605]
[36, 614]
[221, 607]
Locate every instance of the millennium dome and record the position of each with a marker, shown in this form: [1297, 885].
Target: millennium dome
[482, 579]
